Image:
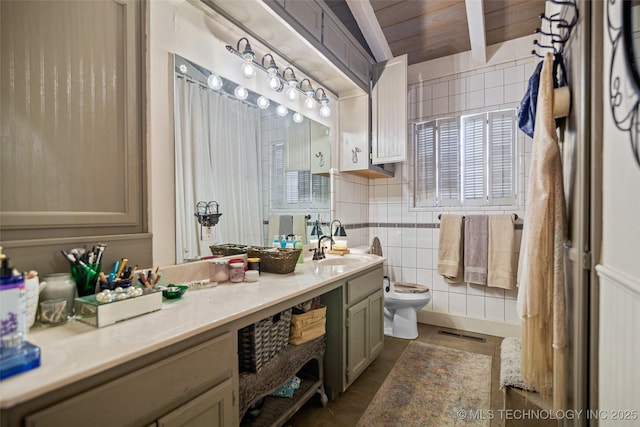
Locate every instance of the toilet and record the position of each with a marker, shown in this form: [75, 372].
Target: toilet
[401, 301]
[401, 304]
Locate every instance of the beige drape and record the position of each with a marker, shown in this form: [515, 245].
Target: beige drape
[541, 294]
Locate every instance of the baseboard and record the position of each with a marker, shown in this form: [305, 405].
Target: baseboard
[470, 324]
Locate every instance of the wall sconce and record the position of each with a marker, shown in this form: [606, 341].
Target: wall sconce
[325, 111]
[339, 236]
[247, 56]
[278, 81]
[207, 214]
[292, 92]
[310, 101]
[274, 80]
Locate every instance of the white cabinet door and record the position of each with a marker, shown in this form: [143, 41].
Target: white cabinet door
[320, 149]
[389, 111]
[297, 146]
[354, 133]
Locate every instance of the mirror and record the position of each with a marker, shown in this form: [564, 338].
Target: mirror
[250, 158]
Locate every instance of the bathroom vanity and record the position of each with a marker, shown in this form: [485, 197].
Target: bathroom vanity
[180, 364]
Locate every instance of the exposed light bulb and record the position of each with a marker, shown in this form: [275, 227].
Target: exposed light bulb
[297, 117]
[214, 81]
[248, 70]
[325, 111]
[309, 102]
[274, 82]
[282, 110]
[263, 102]
[241, 92]
[292, 92]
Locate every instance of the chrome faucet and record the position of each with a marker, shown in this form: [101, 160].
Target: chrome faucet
[319, 252]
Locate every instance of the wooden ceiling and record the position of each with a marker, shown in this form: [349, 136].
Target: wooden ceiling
[429, 29]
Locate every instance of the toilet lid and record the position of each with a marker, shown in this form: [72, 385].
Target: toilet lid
[409, 288]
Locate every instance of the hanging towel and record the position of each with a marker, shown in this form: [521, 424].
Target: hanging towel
[541, 289]
[300, 227]
[501, 265]
[450, 248]
[476, 240]
[279, 225]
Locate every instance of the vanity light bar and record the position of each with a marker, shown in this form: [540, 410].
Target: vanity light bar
[278, 81]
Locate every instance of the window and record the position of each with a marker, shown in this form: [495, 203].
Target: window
[294, 189]
[466, 161]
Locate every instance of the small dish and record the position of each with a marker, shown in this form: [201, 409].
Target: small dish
[174, 291]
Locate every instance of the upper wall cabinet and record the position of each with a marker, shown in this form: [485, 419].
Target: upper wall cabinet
[389, 111]
[315, 21]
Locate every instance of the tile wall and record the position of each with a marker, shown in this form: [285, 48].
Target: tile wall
[410, 236]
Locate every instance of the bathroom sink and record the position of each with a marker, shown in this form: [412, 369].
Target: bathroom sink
[344, 260]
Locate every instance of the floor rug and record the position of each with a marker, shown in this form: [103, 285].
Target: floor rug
[433, 386]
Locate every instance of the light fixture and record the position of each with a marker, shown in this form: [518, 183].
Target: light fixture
[282, 111]
[292, 92]
[340, 236]
[309, 102]
[207, 214]
[325, 111]
[316, 232]
[263, 102]
[272, 70]
[247, 55]
[241, 92]
[214, 81]
[278, 81]
[297, 117]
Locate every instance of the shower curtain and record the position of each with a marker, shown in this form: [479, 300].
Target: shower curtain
[541, 293]
[217, 149]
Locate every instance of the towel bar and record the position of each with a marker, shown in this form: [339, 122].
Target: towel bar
[515, 216]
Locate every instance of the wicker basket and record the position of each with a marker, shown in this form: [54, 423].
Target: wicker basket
[272, 260]
[260, 342]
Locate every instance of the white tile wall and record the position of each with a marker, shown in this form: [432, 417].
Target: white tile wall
[412, 252]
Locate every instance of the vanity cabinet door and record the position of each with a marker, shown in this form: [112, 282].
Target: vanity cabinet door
[389, 111]
[376, 324]
[211, 409]
[357, 339]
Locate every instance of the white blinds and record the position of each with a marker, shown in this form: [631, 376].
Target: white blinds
[449, 165]
[468, 161]
[501, 157]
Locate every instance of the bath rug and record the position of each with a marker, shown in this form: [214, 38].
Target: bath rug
[511, 364]
[433, 386]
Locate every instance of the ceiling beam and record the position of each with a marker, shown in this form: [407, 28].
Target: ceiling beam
[477, 37]
[364, 15]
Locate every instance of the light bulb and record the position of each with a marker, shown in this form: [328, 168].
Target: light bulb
[248, 69]
[214, 81]
[263, 102]
[241, 92]
[297, 117]
[292, 92]
[282, 110]
[274, 82]
[325, 111]
[309, 102]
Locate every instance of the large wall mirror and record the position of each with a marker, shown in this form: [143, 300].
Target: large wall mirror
[261, 164]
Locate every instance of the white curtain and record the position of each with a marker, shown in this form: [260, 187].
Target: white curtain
[217, 150]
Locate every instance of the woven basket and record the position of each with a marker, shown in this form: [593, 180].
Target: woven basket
[260, 342]
[272, 260]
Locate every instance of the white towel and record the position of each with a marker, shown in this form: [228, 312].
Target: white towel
[300, 227]
[476, 241]
[501, 263]
[450, 248]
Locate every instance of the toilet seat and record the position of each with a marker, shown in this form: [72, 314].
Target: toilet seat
[409, 288]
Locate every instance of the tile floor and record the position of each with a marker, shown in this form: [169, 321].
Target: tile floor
[346, 409]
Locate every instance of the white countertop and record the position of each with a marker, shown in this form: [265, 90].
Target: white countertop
[75, 351]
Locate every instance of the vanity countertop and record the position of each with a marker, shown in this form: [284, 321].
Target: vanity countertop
[75, 351]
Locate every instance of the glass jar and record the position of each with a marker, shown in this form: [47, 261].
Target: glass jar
[219, 270]
[59, 286]
[236, 272]
[253, 264]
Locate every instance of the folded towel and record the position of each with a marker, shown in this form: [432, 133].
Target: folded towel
[450, 248]
[279, 225]
[501, 263]
[476, 246]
